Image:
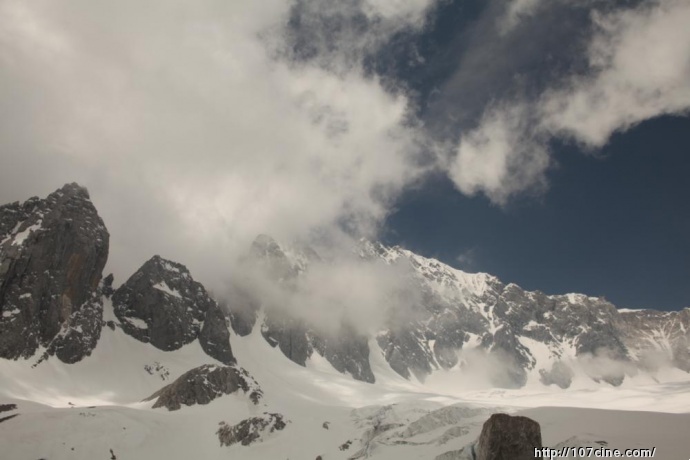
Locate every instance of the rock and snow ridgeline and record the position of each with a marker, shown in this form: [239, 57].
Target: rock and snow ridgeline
[52, 253]
[107, 348]
[460, 317]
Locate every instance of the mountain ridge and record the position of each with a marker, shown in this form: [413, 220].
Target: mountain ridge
[452, 314]
[256, 374]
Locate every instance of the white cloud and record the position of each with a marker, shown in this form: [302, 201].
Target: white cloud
[640, 69]
[190, 128]
[500, 157]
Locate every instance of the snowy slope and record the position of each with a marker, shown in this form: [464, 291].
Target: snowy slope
[419, 420]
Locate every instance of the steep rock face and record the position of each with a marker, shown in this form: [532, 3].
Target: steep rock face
[346, 349]
[215, 337]
[52, 254]
[80, 333]
[289, 334]
[203, 384]
[505, 437]
[162, 304]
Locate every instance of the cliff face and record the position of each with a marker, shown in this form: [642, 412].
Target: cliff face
[162, 304]
[52, 254]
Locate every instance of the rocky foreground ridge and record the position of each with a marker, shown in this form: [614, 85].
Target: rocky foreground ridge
[52, 289]
[52, 253]
[53, 250]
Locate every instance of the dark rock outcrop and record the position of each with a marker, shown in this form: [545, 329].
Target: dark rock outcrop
[203, 384]
[347, 350]
[80, 333]
[242, 308]
[289, 333]
[406, 351]
[505, 437]
[215, 336]
[52, 254]
[251, 430]
[162, 304]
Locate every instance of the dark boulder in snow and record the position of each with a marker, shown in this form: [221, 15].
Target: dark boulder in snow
[52, 254]
[251, 430]
[505, 437]
[203, 384]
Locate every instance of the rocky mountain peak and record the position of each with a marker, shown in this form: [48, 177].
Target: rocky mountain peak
[162, 304]
[52, 253]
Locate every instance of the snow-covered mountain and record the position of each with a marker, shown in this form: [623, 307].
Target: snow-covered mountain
[456, 316]
[157, 368]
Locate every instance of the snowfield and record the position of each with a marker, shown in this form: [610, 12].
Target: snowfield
[83, 410]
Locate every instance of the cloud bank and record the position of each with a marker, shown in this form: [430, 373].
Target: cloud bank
[198, 125]
[638, 67]
[192, 126]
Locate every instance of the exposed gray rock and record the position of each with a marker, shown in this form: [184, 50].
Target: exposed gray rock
[288, 333]
[162, 304]
[505, 437]
[215, 336]
[251, 430]
[80, 333]
[407, 351]
[347, 350]
[203, 384]
[242, 308]
[52, 254]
